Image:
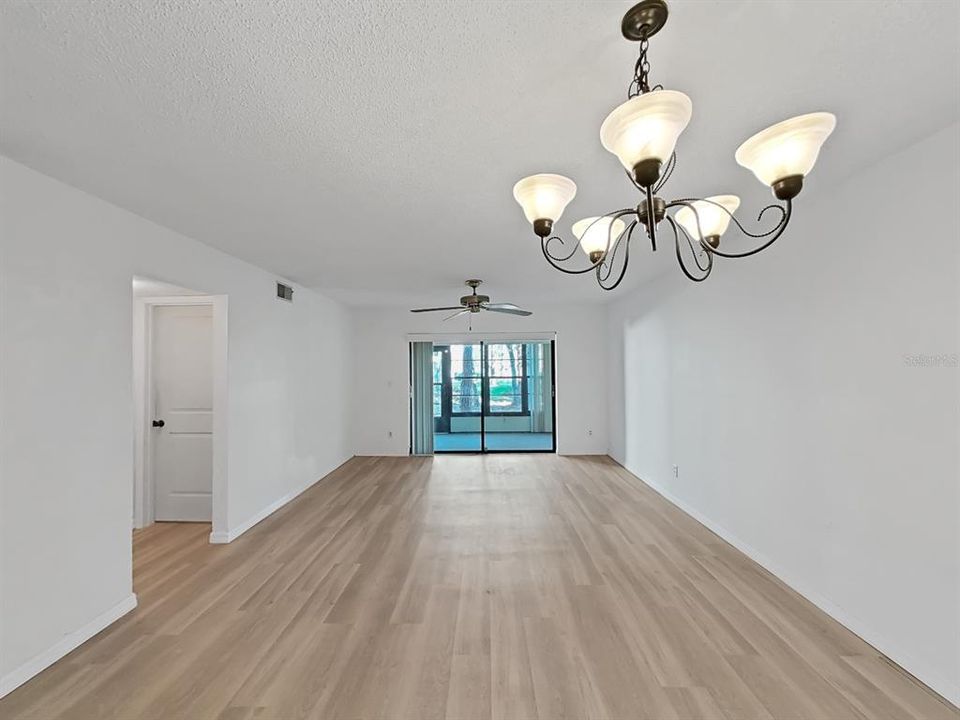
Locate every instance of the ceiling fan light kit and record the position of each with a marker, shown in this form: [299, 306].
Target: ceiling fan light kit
[643, 133]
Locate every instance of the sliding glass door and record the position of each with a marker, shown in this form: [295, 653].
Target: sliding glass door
[458, 389]
[493, 397]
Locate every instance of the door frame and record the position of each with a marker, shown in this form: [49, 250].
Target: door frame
[143, 478]
[446, 398]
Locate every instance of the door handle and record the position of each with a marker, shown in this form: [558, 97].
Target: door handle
[158, 423]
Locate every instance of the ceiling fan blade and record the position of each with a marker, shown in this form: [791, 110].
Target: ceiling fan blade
[452, 307]
[503, 306]
[507, 310]
[456, 314]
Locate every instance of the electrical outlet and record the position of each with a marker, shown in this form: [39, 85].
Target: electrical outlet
[676, 471]
[590, 433]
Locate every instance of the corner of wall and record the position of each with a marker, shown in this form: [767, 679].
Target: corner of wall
[949, 689]
[14, 679]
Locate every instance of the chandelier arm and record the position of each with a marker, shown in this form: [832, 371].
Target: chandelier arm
[610, 254]
[771, 235]
[555, 260]
[784, 209]
[610, 258]
[651, 220]
[626, 262]
[693, 250]
[774, 234]
[586, 230]
[611, 243]
[676, 238]
[607, 262]
[665, 173]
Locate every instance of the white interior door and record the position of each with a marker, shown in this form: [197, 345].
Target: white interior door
[182, 376]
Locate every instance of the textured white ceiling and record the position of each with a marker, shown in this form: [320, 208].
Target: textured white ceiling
[370, 148]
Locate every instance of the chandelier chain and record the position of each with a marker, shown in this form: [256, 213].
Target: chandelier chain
[641, 73]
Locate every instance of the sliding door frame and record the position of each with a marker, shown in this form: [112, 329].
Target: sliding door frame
[484, 389]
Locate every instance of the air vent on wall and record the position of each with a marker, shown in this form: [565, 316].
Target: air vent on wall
[284, 292]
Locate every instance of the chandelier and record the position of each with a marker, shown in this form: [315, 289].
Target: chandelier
[642, 133]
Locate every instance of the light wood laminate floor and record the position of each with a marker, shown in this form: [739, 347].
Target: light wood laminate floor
[468, 587]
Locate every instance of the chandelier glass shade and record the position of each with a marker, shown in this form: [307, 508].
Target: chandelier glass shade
[708, 218]
[787, 148]
[597, 233]
[646, 127]
[544, 196]
[643, 133]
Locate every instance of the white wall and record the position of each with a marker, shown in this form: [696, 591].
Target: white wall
[784, 390]
[381, 372]
[66, 449]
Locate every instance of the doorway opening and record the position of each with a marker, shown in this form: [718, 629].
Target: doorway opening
[489, 397]
[180, 371]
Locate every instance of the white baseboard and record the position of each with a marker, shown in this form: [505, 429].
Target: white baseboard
[929, 676]
[221, 537]
[11, 681]
[560, 451]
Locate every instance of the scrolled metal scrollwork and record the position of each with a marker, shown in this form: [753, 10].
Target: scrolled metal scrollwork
[704, 270]
[612, 245]
[609, 261]
[771, 235]
[695, 257]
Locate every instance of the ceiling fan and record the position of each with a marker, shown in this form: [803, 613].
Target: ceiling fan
[475, 303]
